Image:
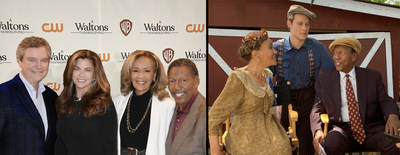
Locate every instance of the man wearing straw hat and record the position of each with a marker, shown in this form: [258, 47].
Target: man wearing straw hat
[359, 109]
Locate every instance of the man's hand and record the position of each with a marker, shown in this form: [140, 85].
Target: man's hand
[318, 139]
[393, 125]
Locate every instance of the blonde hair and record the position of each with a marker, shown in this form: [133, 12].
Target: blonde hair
[157, 87]
[32, 42]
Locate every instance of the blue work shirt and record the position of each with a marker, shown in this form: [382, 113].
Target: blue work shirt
[296, 64]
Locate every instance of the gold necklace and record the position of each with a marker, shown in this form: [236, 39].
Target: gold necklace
[128, 123]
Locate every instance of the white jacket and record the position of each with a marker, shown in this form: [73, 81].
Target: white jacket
[160, 118]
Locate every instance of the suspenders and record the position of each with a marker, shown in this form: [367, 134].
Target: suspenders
[279, 62]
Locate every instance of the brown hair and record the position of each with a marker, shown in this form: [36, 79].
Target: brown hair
[157, 87]
[290, 18]
[184, 62]
[252, 41]
[32, 42]
[96, 100]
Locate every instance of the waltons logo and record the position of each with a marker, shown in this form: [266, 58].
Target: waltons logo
[126, 26]
[168, 54]
[194, 28]
[105, 57]
[91, 28]
[54, 86]
[124, 56]
[52, 27]
[3, 59]
[10, 27]
[196, 55]
[59, 58]
[159, 28]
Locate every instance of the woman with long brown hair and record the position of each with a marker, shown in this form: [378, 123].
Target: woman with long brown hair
[87, 122]
[144, 108]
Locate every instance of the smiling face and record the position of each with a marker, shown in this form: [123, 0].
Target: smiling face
[34, 65]
[182, 85]
[142, 74]
[344, 58]
[267, 53]
[299, 27]
[82, 76]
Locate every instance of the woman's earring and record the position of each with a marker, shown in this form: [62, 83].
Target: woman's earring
[92, 84]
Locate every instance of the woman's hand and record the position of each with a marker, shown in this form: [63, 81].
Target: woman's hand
[215, 149]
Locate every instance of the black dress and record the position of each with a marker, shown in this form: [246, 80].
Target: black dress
[138, 107]
[78, 135]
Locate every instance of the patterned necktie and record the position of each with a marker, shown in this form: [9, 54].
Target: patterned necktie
[356, 125]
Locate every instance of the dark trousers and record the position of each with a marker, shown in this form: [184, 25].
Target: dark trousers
[302, 101]
[337, 143]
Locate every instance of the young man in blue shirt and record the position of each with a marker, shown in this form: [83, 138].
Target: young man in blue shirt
[300, 59]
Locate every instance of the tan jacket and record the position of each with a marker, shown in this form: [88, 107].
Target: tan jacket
[254, 129]
[191, 138]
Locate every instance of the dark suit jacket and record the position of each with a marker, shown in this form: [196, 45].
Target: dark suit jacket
[374, 103]
[21, 126]
[191, 138]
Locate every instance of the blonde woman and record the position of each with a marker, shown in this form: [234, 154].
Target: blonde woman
[144, 108]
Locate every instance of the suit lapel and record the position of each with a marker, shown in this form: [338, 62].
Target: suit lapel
[187, 124]
[24, 99]
[337, 100]
[171, 130]
[361, 95]
[50, 109]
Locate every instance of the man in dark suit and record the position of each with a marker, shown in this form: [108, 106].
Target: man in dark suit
[27, 110]
[187, 131]
[357, 105]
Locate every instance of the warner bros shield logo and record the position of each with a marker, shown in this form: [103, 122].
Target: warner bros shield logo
[168, 54]
[126, 26]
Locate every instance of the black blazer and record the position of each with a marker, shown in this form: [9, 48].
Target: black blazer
[21, 126]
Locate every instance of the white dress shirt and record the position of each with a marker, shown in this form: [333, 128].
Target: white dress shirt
[344, 111]
[38, 101]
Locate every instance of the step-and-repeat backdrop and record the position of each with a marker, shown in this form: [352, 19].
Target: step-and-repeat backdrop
[171, 29]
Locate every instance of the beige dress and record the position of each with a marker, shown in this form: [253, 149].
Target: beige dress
[254, 129]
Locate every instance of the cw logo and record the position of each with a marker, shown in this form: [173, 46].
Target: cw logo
[192, 28]
[105, 57]
[54, 86]
[52, 27]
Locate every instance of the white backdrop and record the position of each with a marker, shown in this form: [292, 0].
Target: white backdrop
[175, 26]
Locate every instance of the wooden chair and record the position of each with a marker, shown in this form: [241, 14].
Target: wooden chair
[222, 134]
[325, 120]
[293, 117]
